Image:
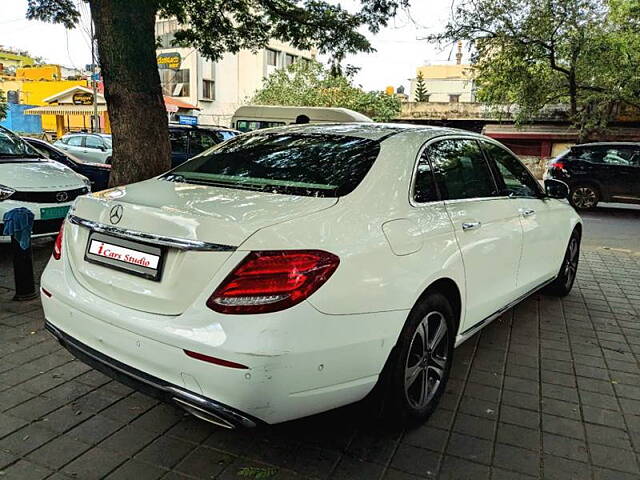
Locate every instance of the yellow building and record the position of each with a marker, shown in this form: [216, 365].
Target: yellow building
[447, 83]
[72, 103]
[40, 72]
[35, 92]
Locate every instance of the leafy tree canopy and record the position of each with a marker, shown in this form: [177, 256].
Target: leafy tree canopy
[310, 84]
[219, 26]
[583, 53]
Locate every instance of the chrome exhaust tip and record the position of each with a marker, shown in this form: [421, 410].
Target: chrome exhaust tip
[203, 414]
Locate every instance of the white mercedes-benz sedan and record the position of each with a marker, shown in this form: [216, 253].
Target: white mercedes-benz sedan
[290, 271]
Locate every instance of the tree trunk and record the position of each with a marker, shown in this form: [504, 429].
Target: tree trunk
[125, 36]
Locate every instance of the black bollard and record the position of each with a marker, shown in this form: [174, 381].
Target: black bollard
[23, 272]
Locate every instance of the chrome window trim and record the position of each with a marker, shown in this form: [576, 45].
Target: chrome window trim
[426, 145]
[172, 242]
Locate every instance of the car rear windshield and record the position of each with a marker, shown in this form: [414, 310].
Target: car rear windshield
[293, 163]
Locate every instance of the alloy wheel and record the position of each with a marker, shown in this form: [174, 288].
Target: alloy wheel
[427, 360]
[584, 197]
[571, 266]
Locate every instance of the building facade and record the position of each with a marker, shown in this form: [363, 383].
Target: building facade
[446, 83]
[217, 89]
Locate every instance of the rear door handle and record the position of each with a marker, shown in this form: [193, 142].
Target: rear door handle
[471, 225]
[527, 212]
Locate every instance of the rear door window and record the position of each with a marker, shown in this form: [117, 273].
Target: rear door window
[93, 142]
[201, 140]
[179, 140]
[622, 155]
[75, 141]
[424, 188]
[460, 170]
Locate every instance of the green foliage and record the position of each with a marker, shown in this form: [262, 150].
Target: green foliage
[582, 53]
[219, 26]
[310, 84]
[3, 105]
[421, 94]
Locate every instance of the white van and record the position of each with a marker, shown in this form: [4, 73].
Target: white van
[254, 117]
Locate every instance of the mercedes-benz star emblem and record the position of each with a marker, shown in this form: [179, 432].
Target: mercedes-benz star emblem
[115, 215]
[62, 196]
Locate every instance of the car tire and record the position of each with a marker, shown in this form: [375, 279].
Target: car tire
[416, 376]
[584, 197]
[108, 161]
[563, 283]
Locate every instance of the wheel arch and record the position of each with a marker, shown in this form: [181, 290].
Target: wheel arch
[449, 288]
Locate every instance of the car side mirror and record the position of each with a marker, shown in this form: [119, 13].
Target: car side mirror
[556, 188]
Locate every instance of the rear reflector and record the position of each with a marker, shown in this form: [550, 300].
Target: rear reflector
[214, 360]
[559, 165]
[271, 281]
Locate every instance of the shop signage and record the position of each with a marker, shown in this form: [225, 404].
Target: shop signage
[82, 98]
[187, 120]
[169, 61]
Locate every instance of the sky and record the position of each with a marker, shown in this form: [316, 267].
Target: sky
[399, 46]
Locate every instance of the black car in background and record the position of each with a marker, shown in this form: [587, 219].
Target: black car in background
[97, 173]
[599, 172]
[186, 142]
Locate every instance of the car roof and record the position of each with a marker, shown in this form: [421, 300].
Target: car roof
[373, 131]
[202, 127]
[75, 134]
[607, 144]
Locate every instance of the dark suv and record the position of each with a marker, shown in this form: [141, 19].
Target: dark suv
[188, 141]
[599, 172]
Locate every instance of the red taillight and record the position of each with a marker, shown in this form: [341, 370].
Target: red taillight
[559, 165]
[57, 247]
[272, 281]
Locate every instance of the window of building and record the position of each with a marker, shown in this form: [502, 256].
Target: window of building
[175, 83]
[165, 32]
[454, 98]
[208, 89]
[289, 59]
[272, 57]
[460, 170]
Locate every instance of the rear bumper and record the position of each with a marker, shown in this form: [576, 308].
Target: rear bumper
[198, 405]
[299, 362]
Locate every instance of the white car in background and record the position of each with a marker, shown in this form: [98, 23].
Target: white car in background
[289, 271]
[90, 147]
[29, 180]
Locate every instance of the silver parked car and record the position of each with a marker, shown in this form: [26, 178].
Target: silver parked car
[90, 147]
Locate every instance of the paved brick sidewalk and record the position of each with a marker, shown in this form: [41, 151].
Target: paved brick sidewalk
[551, 390]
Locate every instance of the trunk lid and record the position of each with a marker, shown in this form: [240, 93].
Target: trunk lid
[182, 211]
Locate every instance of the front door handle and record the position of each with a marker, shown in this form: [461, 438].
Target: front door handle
[471, 225]
[527, 212]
